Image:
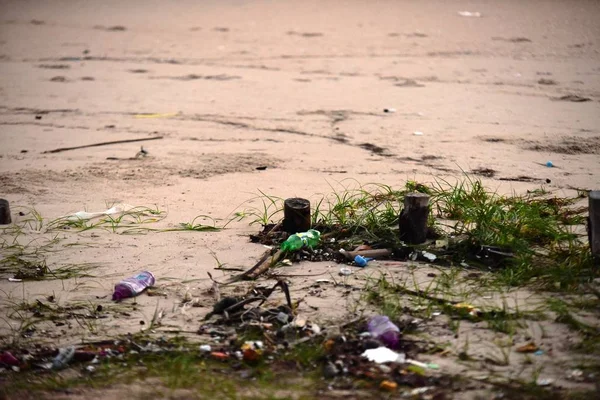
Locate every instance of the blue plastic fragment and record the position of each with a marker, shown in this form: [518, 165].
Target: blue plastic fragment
[361, 261]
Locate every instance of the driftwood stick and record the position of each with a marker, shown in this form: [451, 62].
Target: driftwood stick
[264, 266]
[100, 144]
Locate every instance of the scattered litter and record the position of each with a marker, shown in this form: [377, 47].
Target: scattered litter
[316, 329]
[287, 262]
[299, 240]
[530, 347]
[436, 313]
[418, 133]
[361, 261]
[219, 355]
[419, 391]
[205, 348]
[383, 355]
[15, 280]
[386, 331]
[544, 381]
[84, 215]
[549, 164]
[539, 353]
[469, 14]
[8, 359]
[133, 286]
[388, 386]
[441, 243]
[252, 350]
[389, 110]
[470, 309]
[283, 317]
[323, 281]
[423, 365]
[90, 369]
[429, 256]
[64, 357]
[345, 271]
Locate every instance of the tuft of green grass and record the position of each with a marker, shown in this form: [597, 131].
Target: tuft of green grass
[530, 239]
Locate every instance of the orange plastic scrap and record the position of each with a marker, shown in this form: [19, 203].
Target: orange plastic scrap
[251, 355]
[388, 386]
[530, 347]
[219, 356]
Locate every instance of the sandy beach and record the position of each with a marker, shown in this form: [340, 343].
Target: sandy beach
[291, 99]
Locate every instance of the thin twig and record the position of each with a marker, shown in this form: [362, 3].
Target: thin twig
[100, 144]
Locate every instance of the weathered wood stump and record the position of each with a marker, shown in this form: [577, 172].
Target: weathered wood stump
[594, 223]
[4, 212]
[296, 215]
[413, 218]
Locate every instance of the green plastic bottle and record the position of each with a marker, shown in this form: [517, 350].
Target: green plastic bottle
[297, 241]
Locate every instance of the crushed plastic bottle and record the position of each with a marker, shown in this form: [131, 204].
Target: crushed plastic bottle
[63, 358]
[297, 241]
[386, 331]
[133, 286]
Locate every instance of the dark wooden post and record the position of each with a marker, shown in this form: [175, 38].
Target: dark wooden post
[594, 223]
[413, 218]
[4, 212]
[296, 215]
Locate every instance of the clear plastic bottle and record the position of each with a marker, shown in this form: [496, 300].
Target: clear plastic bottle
[133, 286]
[386, 331]
[295, 242]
